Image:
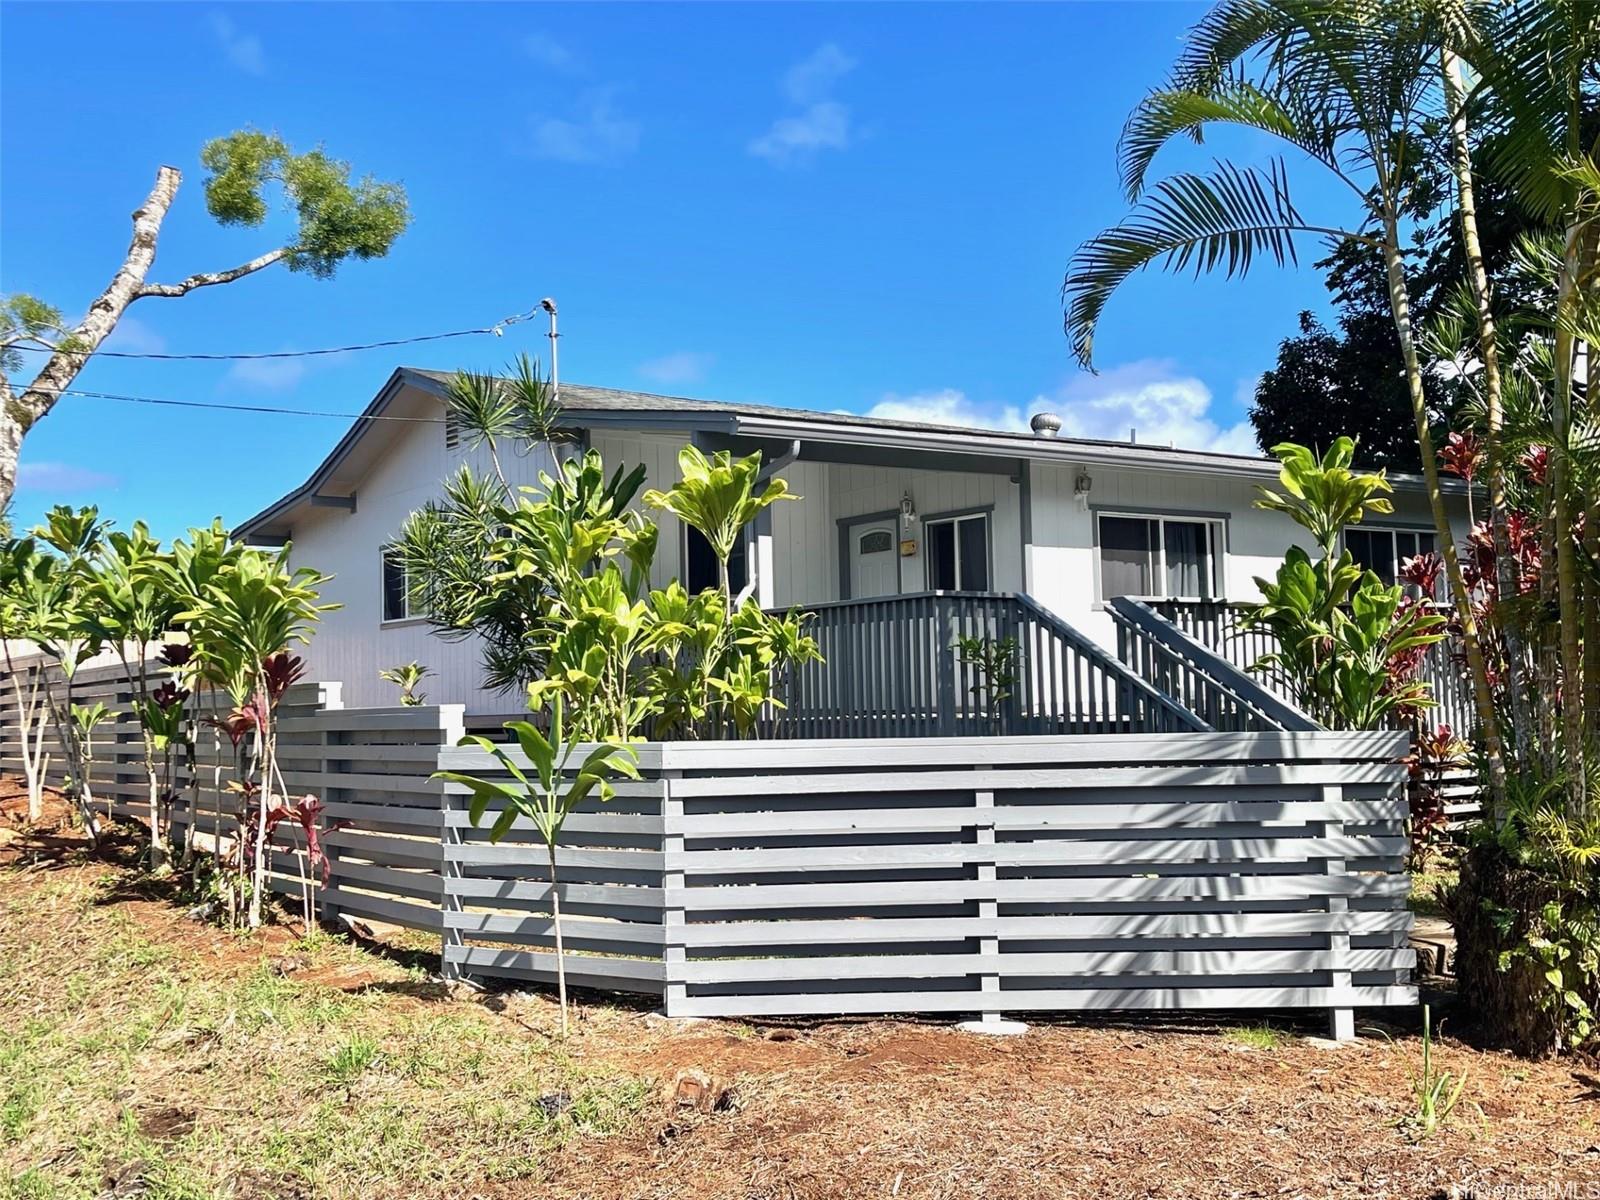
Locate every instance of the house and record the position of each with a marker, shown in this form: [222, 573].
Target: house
[889, 507]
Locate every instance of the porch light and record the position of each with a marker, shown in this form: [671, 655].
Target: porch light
[1081, 487]
[908, 511]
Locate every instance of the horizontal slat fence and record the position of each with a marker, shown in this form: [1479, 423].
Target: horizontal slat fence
[370, 766]
[983, 875]
[1001, 875]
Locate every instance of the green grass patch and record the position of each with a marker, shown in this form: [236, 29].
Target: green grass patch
[1255, 1037]
[284, 1085]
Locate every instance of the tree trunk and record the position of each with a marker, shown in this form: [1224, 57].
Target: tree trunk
[1483, 697]
[1506, 570]
[555, 921]
[23, 411]
[1567, 607]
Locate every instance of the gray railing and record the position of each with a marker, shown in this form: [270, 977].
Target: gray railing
[892, 668]
[1197, 677]
[1219, 626]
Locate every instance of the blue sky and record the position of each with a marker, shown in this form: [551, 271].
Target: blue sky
[837, 206]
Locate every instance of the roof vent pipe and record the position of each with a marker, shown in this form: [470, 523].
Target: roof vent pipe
[1133, 435]
[1045, 424]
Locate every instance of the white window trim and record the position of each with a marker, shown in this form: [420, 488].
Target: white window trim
[410, 618]
[1390, 531]
[988, 547]
[1219, 551]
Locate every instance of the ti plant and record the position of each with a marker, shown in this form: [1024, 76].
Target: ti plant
[407, 678]
[719, 496]
[1349, 644]
[86, 718]
[546, 796]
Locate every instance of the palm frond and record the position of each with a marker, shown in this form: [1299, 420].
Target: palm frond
[1222, 219]
[1166, 114]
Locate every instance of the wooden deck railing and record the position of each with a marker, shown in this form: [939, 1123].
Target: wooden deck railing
[1219, 626]
[1197, 677]
[892, 668]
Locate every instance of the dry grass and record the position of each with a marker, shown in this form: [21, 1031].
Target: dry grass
[136, 1043]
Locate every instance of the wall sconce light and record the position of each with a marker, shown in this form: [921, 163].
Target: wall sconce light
[908, 511]
[1081, 487]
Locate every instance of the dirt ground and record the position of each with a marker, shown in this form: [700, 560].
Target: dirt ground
[143, 1052]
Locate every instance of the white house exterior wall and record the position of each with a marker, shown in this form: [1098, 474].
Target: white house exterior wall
[353, 643]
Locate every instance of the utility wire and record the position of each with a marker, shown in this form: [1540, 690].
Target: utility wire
[427, 337]
[249, 408]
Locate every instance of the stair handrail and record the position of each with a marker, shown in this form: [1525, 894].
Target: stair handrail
[1108, 663]
[1209, 663]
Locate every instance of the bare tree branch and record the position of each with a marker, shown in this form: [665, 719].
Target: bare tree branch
[207, 278]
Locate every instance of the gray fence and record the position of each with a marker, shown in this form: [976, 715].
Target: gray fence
[899, 875]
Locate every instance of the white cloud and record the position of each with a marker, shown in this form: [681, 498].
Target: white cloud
[812, 78]
[948, 407]
[597, 134]
[265, 374]
[685, 366]
[241, 49]
[794, 140]
[1151, 396]
[548, 52]
[823, 122]
[61, 478]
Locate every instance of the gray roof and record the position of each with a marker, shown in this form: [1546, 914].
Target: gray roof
[903, 440]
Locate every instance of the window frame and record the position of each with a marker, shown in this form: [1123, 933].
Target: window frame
[742, 553]
[986, 515]
[386, 555]
[1391, 531]
[1216, 524]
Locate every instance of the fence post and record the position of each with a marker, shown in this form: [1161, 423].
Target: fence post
[1341, 1021]
[990, 1017]
[451, 868]
[674, 956]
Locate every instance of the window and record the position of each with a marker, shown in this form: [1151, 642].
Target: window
[1177, 557]
[396, 597]
[700, 564]
[1384, 551]
[958, 553]
[877, 541]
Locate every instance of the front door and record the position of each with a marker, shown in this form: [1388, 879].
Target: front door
[874, 560]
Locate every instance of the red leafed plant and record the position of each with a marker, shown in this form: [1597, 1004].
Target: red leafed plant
[280, 672]
[305, 811]
[1536, 462]
[1438, 751]
[1461, 455]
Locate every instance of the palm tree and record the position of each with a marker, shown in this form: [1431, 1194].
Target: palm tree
[1535, 60]
[1349, 84]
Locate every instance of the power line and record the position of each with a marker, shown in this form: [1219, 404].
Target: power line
[383, 345]
[248, 408]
